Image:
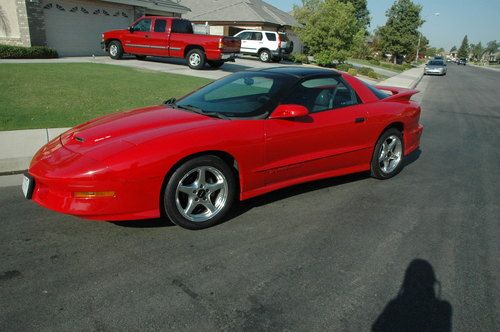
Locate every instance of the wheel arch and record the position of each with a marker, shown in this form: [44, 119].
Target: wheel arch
[396, 125]
[107, 42]
[229, 159]
[188, 48]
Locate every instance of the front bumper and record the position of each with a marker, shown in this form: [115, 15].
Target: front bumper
[59, 173]
[434, 72]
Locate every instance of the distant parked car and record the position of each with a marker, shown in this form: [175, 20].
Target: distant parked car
[462, 62]
[170, 37]
[267, 45]
[435, 67]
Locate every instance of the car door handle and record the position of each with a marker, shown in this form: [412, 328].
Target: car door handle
[359, 120]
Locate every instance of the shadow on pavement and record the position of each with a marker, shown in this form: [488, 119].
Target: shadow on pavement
[416, 307]
[145, 223]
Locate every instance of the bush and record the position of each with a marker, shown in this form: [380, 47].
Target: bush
[299, 58]
[344, 66]
[375, 62]
[352, 72]
[373, 74]
[21, 52]
[365, 71]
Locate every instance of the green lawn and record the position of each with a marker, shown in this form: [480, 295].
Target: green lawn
[383, 64]
[63, 95]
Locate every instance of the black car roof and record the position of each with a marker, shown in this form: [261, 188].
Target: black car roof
[299, 71]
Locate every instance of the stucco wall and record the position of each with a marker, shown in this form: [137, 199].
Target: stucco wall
[9, 24]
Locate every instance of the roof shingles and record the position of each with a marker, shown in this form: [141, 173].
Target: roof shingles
[237, 11]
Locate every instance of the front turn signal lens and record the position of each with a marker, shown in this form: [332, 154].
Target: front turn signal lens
[93, 194]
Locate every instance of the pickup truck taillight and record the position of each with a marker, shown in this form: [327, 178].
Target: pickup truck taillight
[221, 44]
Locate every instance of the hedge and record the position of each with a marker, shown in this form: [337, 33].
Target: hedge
[21, 52]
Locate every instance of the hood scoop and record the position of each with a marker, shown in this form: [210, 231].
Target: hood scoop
[79, 139]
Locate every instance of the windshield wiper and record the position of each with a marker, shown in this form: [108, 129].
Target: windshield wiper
[198, 110]
[170, 101]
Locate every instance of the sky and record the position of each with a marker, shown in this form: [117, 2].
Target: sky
[478, 19]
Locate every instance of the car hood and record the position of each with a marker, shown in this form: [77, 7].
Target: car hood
[132, 128]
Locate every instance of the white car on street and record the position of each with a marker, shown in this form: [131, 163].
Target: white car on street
[267, 45]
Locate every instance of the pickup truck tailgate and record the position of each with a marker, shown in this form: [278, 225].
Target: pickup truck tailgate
[231, 44]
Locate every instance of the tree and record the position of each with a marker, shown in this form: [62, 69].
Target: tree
[453, 49]
[361, 11]
[492, 47]
[399, 36]
[463, 51]
[477, 51]
[328, 30]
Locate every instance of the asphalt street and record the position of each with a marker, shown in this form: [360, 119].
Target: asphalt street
[329, 255]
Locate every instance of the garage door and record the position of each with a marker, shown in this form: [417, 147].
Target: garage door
[74, 27]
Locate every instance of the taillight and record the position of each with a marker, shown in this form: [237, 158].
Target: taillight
[279, 40]
[221, 43]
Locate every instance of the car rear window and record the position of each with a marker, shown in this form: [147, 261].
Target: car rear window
[182, 26]
[380, 94]
[270, 36]
[436, 63]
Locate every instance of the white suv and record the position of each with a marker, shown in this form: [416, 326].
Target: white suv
[267, 45]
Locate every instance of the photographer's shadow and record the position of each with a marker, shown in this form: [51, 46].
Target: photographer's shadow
[416, 307]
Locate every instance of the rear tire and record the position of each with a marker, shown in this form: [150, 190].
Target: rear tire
[387, 159]
[115, 50]
[216, 63]
[196, 58]
[200, 192]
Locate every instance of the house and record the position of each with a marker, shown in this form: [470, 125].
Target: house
[228, 17]
[74, 27]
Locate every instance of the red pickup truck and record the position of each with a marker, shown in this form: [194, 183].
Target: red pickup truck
[170, 37]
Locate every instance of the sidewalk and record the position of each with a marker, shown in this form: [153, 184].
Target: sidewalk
[17, 147]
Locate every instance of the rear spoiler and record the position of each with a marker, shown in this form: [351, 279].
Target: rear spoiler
[398, 94]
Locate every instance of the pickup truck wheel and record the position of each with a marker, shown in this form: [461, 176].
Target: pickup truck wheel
[196, 59]
[265, 56]
[115, 50]
[215, 64]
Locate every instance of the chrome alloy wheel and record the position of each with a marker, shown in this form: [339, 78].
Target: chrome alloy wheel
[391, 154]
[201, 193]
[194, 59]
[113, 50]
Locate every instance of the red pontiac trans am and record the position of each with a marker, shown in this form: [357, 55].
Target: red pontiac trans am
[241, 136]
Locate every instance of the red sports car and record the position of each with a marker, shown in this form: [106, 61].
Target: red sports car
[241, 136]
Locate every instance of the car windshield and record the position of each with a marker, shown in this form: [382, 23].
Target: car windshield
[435, 63]
[241, 95]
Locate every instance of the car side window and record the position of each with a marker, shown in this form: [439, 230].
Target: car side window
[321, 94]
[160, 25]
[143, 25]
[270, 36]
[256, 35]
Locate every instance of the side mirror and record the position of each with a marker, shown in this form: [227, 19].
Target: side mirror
[289, 111]
[131, 29]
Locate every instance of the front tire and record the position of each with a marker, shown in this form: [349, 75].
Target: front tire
[388, 155]
[196, 58]
[265, 56]
[115, 50]
[200, 193]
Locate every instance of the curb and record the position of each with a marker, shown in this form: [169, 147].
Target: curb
[17, 147]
